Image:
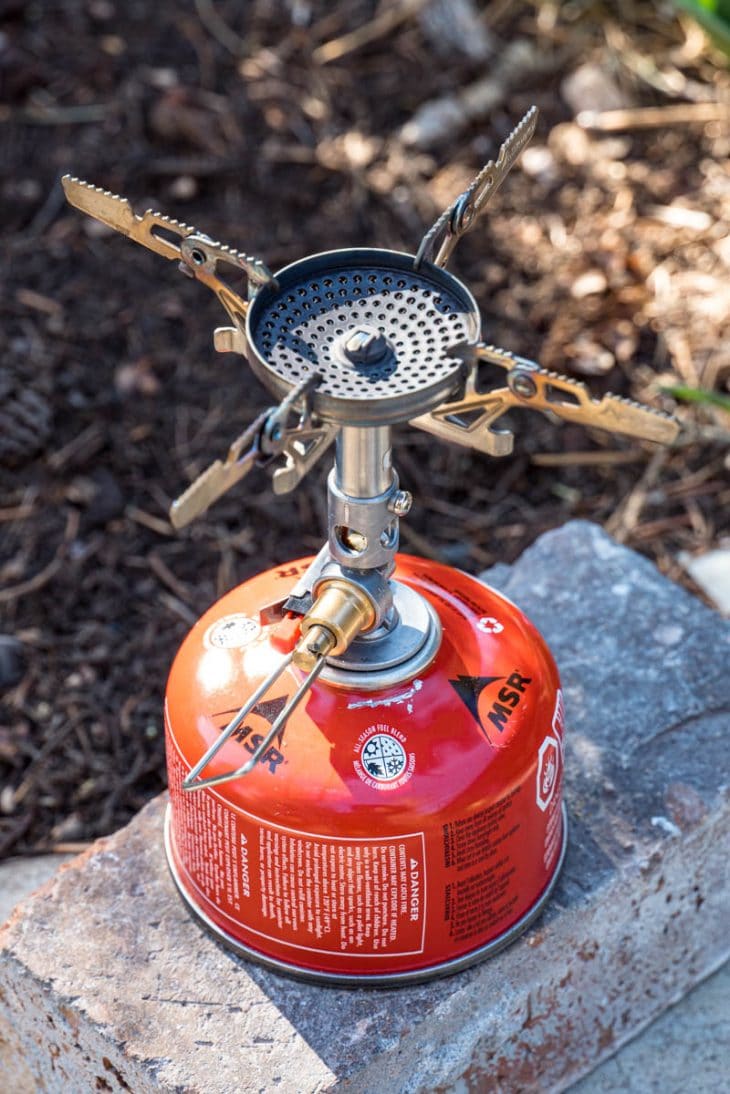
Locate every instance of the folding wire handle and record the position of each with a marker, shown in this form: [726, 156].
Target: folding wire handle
[192, 782]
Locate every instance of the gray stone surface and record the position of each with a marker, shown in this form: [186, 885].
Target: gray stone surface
[686, 1049]
[106, 981]
[21, 876]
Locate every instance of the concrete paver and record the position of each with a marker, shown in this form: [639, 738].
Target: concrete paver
[687, 1049]
[19, 877]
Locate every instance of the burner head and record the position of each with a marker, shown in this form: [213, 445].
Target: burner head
[377, 331]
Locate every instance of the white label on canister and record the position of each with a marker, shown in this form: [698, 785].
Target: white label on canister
[232, 632]
[381, 757]
[364, 896]
[548, 761]
[559, 717]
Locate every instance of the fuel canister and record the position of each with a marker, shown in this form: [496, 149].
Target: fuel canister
[387, 835]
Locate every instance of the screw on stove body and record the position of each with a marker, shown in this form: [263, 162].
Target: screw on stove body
[401, 502]
[520, 381]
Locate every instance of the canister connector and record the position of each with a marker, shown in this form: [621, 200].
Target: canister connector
[341, 611]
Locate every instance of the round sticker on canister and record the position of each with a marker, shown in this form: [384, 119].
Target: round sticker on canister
[232, 632]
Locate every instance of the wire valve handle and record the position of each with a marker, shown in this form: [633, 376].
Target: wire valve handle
[193, 782]
[339, 613]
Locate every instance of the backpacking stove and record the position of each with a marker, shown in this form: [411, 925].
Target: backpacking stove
[365, 750]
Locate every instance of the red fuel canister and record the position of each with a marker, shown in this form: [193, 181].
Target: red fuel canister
[387, 835]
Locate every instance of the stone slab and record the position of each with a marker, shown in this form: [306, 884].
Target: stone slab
[108, 984]
[19, 877]
[686, 1049]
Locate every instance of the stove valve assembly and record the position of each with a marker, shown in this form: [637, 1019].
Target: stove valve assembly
[365, 749]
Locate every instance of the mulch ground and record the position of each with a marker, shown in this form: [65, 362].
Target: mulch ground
[272, 126]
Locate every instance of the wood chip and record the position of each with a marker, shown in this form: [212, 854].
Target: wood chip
[652, 117]
[587, 459]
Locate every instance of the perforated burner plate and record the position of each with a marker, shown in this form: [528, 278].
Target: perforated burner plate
[300, 327]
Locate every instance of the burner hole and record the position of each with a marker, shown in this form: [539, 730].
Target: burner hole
[290, 299]
[329, 295]
[339, 331]
[398, 295]
[342, 292]
[357, 278]
[320, 329]
[401, 283]
[314, 287]
[372, 278]
[327, 282]
[302, 291]
[387, 280]
[342, 279]
[316, 299]
[342, 318]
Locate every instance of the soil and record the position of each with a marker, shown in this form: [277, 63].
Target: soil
[605, 255]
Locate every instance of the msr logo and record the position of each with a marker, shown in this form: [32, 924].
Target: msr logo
[497, 716]
[245, 735]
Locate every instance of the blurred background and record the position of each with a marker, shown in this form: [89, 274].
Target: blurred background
[285, 127]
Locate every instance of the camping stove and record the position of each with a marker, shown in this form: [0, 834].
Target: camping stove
[365, 750]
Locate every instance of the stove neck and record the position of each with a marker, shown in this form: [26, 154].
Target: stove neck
[364, 460]
[364, 501]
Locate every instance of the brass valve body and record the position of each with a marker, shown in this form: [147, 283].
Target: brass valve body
[341, 611]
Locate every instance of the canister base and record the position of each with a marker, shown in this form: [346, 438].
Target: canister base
[368, 980]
